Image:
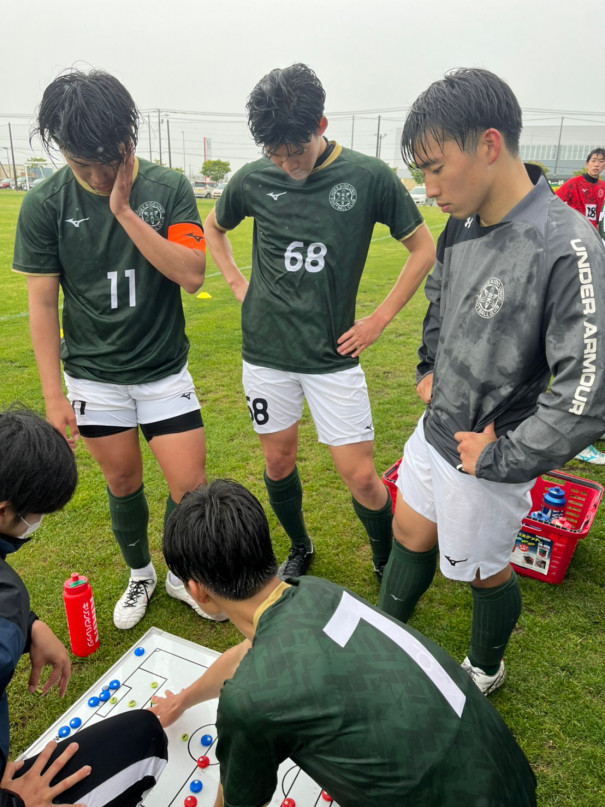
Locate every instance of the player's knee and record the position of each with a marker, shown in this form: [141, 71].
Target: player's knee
[400, 534]
[122, 482]
[177, 491]
[415, 536]
[279, 466]
[364, 484]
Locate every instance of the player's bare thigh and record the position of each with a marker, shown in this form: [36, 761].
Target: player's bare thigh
[413, 531]
[119, 458]
[182, 458]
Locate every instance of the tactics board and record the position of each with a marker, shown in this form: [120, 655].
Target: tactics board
[160, 661]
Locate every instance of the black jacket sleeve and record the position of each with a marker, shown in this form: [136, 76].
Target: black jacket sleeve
[10, 799]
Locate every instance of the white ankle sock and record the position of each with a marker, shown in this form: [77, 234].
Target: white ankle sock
[146, 572]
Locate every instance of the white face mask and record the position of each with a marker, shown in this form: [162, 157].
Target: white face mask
[29, 528]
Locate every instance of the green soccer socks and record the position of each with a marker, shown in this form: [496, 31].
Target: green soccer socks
[379, 526]
[129, 519]
[495, 614]
[407, 576]
[171, 506]
[285, 497]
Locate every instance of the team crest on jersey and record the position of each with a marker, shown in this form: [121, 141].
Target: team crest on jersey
[153, 214]
[343, 196]
[490, 298]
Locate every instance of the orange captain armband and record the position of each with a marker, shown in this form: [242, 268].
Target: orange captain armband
[189, 235]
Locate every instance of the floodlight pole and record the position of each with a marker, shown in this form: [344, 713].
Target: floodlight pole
[160, 134]
[558, 149]
[149, 131]
[169, 148]
[10, 137]
[378, 138]
[352, 129]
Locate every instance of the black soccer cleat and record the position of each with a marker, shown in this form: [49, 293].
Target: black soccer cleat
[296, 564]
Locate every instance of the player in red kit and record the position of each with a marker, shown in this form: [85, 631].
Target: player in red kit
[586, 192]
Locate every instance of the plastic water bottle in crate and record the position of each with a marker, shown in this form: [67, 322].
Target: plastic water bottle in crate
[563, 509]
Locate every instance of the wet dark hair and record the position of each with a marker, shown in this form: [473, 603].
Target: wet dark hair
[37, 467]
[219, 537]
[88, 115]
[460, 107]
[599, 151]
[286, 106]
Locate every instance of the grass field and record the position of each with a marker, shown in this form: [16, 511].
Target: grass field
[554, 700]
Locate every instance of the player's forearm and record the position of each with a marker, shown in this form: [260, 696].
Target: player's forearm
[46, 342]
[415, 269]
[178, 263]
[209, 685]
[220, 249]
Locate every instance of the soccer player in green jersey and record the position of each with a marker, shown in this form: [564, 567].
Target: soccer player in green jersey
[121, 237]
[373, 711]
[314, 205]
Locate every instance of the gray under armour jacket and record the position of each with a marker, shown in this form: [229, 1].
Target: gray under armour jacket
[514, 334]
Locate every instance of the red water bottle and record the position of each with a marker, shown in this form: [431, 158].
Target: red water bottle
[81, 616]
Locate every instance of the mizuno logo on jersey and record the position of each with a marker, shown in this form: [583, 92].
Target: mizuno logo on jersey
[76, 222]
[275, 196]
[195, 237]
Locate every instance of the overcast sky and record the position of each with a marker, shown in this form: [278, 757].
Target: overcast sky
[206, 55]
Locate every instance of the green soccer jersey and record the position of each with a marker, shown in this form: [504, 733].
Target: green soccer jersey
[373, 711]
[123, 320]
[310, 245]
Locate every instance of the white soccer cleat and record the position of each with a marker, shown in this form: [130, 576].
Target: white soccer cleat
[592, 455]
[180, 593]
[131, 606]
[486, 683]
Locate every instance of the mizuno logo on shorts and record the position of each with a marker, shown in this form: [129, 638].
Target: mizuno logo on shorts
[76, 222]
[454, 562]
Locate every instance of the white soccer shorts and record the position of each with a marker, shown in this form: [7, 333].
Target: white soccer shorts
[96, 403]
[338, 402]
[477, 520]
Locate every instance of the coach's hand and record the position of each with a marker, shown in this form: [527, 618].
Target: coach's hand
[424, 388]
[168, 709]
[34, 787]
[45, 649]
[471, 444]
[363, 334]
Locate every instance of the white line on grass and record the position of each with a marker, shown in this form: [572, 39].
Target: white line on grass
[8, 317]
